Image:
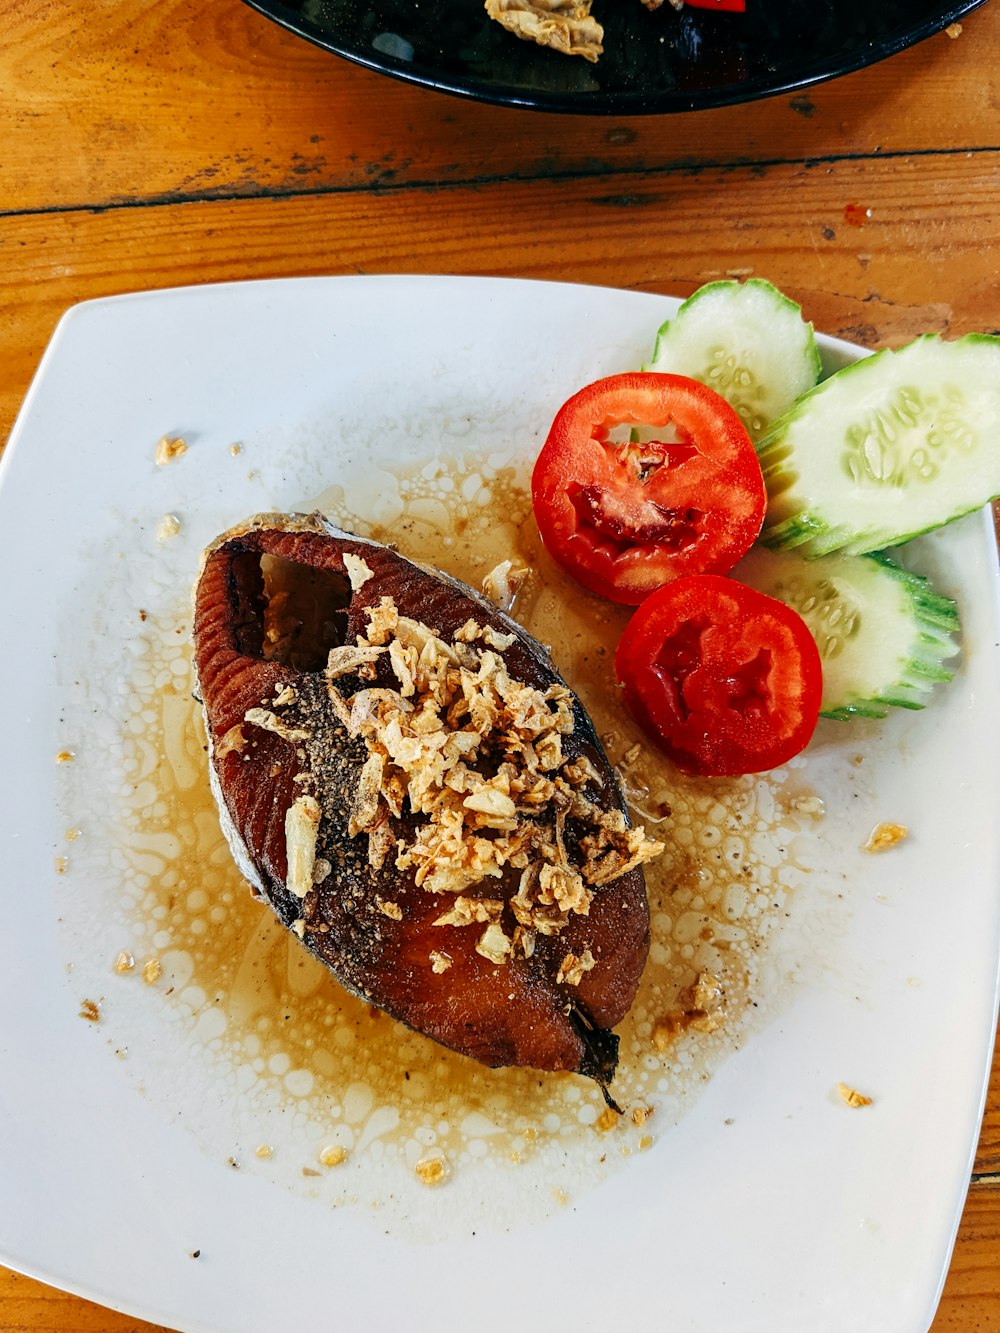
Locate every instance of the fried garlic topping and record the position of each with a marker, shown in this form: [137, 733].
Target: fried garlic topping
[477, 756]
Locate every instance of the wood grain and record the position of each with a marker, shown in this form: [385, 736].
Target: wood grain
[971, 1299]
[211, 100]
[924, 261]
[987, 1161]
[27, 1306]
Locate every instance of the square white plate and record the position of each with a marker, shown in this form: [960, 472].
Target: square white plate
[770, 1205]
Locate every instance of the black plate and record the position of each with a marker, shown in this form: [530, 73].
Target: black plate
[652, 62]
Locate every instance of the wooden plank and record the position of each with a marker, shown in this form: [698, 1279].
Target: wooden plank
[112, 100]
[925, 260]
[988, 1152]
[910, 268]
[971, 1297]
[27, 1306]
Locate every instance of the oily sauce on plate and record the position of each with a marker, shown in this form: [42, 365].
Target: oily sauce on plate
[329, 1095]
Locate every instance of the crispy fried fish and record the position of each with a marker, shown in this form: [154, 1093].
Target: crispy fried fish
[405, 780]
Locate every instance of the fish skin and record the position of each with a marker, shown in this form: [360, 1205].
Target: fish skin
[516, 1014]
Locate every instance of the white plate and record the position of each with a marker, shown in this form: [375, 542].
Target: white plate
[769, 1205]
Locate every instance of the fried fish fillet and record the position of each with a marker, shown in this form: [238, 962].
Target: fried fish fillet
[405, 780]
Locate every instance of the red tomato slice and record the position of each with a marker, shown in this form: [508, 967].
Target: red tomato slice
[624, 518]
[725, 679]
[735, 6]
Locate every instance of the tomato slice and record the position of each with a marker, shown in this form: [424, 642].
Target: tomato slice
[734, 6]
[724, 678]
[624, 517]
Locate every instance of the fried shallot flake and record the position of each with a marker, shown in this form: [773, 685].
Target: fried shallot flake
[301, 830]
[380, 843]
[467, 911]
[851, 1097]
[606, 1120]
[358, 570]
[365, 813]
[884, 836]
[496, 640]
[232, 740]
[494, 944]
[477, 757]
[168, 449]
[700, 1006]
[348, 657]
[268, 721]
[504, 581]
[572, 969]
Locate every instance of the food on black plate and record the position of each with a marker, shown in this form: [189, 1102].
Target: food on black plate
[567, 25]
[406, 781]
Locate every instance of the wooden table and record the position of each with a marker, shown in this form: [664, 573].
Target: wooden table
[150, 143]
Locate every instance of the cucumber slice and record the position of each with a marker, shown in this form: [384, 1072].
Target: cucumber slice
[883, 633]
[886, 449]
[748, 342]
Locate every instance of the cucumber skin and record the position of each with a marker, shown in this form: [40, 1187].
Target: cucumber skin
[939, 620]
[778, 298]
[939, 617]
[935, 621]
[812, 536]
[727, 284]
[810, 532]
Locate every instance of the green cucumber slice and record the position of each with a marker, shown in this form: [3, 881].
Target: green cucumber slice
[745, 340]
[886, 449]
[883, 633]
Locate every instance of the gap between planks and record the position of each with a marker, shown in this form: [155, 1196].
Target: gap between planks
[684, 167]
